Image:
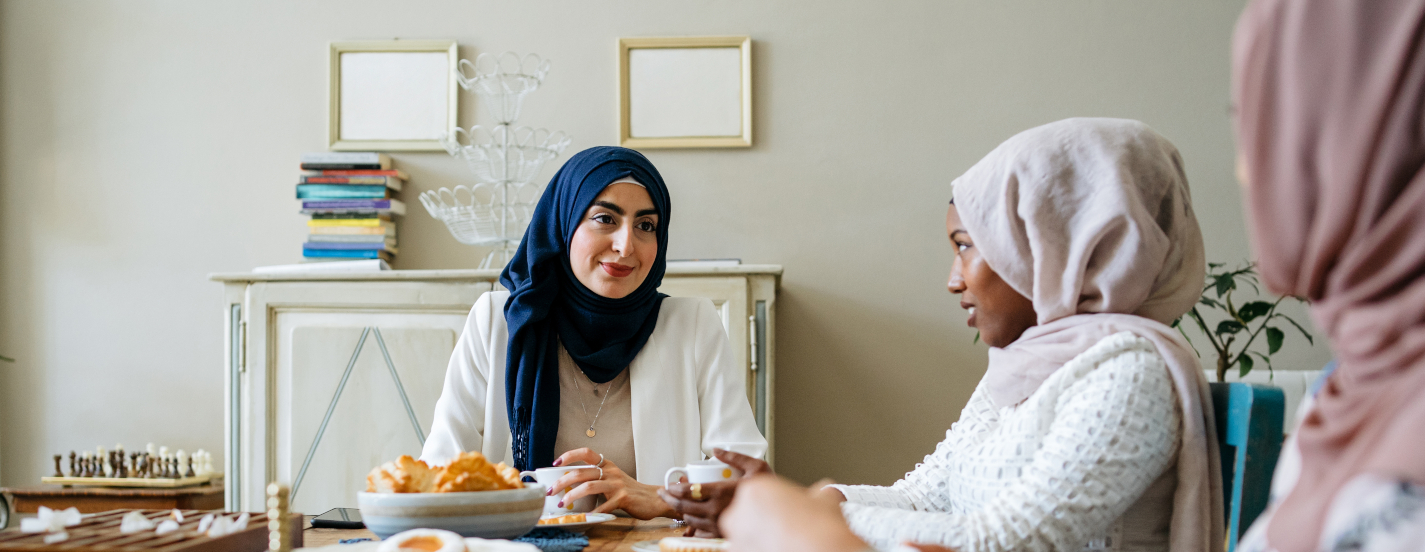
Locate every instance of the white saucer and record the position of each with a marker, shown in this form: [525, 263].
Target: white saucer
[646, 546]
[580, 526]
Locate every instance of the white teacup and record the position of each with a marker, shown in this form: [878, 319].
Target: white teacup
[547, 477]
[706, 471]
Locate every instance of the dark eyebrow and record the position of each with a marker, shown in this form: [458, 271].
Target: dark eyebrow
[610, 206]
[645, 212]
[952, 234]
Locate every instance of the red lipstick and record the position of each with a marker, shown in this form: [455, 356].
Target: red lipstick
[616, 270]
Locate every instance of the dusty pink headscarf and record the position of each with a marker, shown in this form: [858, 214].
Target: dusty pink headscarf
[1091, 219]
[1330, 100]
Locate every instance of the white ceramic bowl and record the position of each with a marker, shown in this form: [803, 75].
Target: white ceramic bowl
[484, 514]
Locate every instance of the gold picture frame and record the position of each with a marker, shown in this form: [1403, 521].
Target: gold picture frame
[685, 92]
[400, 95]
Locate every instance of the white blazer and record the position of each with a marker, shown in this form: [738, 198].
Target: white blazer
[687, 394]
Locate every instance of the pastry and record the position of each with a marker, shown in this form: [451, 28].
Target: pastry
[423, 540]
[403, 475]
[691, 544]
[468, 472]
[571, 518]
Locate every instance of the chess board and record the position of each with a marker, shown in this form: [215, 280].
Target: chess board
[100, 533]
[135, 482]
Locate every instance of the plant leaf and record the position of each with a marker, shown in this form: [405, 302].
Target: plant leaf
[1215, 265]
[977, 339]
[1246, 362]
[1209, 302]
[1224, 284]
[1253, 310]
[1298, 328]
[1229, 327]
[1274, 340]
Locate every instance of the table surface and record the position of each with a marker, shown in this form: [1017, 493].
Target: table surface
[618, 535]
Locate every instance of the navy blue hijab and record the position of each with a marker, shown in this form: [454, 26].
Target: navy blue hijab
[548, 305]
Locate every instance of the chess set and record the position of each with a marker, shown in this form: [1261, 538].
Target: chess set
[277, 530]
[155, 467]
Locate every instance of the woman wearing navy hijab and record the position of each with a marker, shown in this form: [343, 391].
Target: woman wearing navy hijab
[582, 360]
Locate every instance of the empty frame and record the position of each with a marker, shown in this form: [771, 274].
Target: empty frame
[396, 95]
[685, 92]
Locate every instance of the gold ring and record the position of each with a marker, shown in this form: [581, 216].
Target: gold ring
[696, 491]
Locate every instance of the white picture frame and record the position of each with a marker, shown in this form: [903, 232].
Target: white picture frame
[685, 92]
[391, 95]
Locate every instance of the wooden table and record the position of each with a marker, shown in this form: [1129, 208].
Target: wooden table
[614, 536]
[91, 500]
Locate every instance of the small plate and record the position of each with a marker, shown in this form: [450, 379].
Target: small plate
[580, 527]
[646, 546]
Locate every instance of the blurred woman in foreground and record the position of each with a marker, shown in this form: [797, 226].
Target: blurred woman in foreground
[1330, 102]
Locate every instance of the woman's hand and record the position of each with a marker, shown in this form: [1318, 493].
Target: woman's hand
[772, 515]
[620, 491]
[701, 515]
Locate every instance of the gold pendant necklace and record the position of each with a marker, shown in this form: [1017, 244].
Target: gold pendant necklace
[591, 432]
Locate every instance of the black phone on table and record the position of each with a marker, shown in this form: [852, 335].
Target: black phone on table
[339, 518]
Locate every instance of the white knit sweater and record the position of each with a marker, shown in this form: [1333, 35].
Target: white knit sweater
[1082, 464]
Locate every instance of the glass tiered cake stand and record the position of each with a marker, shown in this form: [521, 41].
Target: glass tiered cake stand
[505, 159]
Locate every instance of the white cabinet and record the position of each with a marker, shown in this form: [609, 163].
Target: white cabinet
[329, 375]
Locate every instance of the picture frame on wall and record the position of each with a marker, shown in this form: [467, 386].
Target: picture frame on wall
[685, 92]
[391, 95]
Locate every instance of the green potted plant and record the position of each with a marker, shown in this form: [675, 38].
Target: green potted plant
[1233, 329]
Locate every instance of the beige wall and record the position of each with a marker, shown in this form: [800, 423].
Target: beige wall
[145, 144]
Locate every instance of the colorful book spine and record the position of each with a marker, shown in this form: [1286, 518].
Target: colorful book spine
[342, 191]
[346, 254]
[353, 230]
[346, 246]
[380, 206]
[387, 181]
[361, 172]
[348, 222]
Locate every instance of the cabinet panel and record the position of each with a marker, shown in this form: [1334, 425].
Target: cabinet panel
[370, 422]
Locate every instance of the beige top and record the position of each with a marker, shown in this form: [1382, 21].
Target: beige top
[613, 435]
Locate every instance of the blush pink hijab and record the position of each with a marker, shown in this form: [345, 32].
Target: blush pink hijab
[1091, 219]
[1330, 100]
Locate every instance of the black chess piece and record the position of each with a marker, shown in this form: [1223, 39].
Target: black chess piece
[73, 463]
[190, 472]
[173, 468]
[133, 470]
[58, 471]
[83, 466]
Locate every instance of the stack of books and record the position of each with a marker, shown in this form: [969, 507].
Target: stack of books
[349, 198]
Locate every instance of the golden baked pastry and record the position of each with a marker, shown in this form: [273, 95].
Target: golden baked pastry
[571, 518]
[691, 544]
[468, 472]
[403, 475]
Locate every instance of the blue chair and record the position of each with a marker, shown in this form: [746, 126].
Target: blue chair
[1249, 434]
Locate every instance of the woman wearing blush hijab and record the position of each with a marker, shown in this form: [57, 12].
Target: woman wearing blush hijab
[1330, 100]
[1092, 429]
[582, 360]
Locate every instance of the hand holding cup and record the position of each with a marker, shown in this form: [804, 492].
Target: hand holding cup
[701, 513]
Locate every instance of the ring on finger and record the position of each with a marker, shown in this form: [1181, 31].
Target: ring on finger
[601, 461]
[601, 473]
[696, 491]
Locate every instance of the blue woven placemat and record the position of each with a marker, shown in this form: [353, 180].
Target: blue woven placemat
[555, 540]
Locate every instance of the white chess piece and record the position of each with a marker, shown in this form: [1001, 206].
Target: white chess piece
[151, 450]
[182, 463]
